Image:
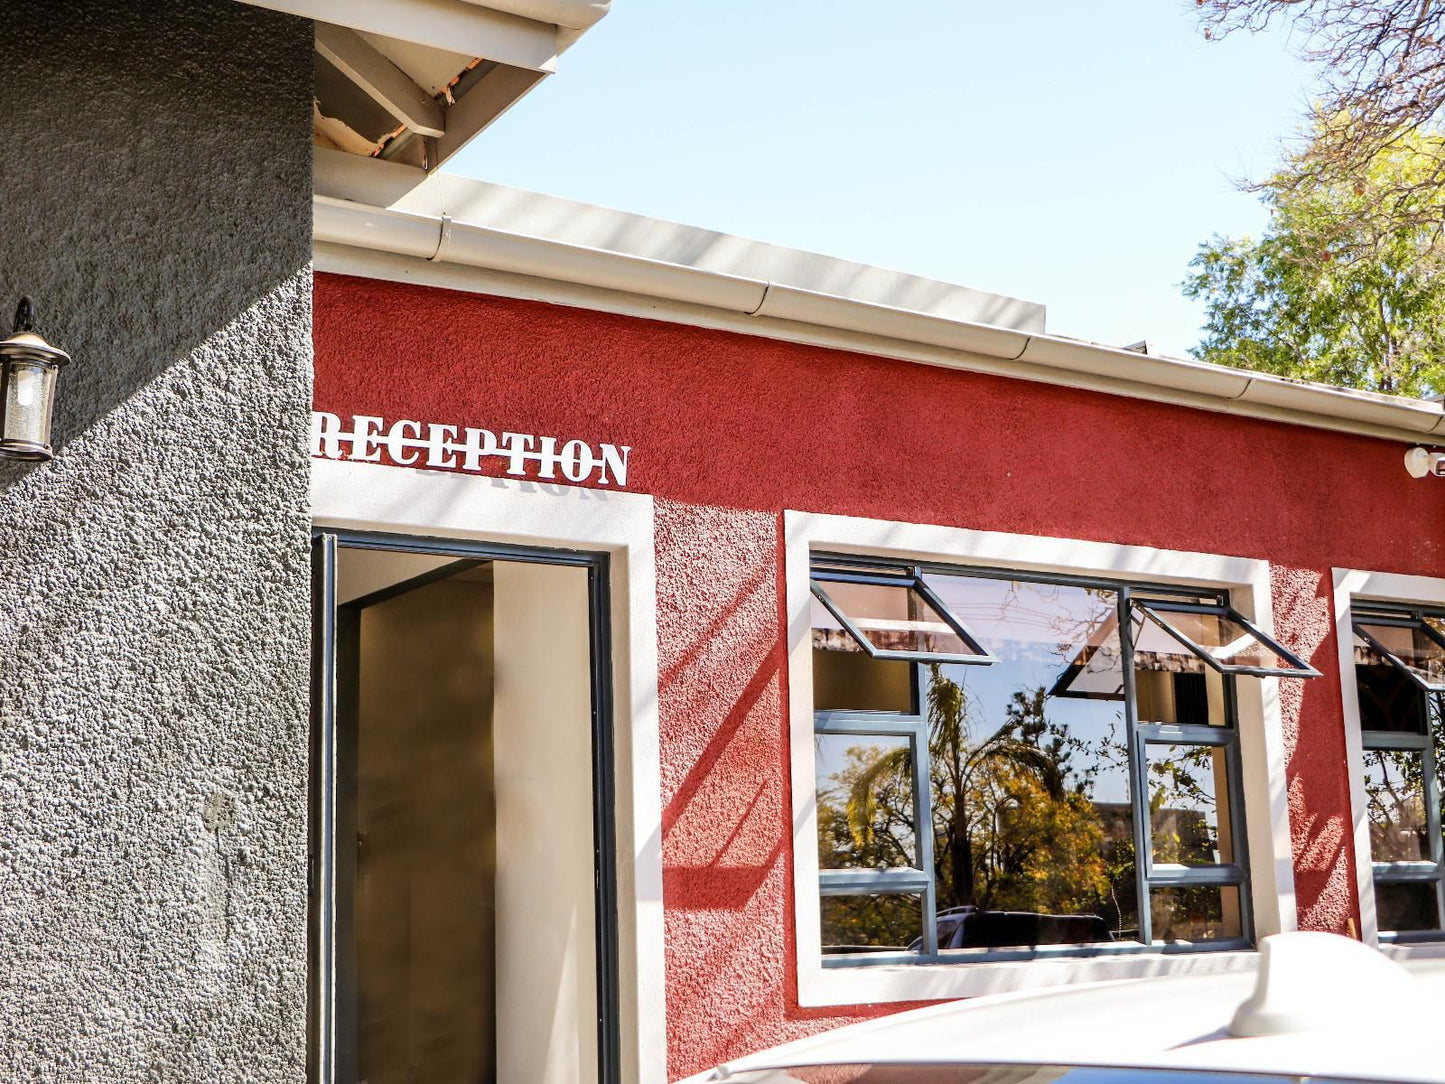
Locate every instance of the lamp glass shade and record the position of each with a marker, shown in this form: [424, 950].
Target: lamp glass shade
[29, 394]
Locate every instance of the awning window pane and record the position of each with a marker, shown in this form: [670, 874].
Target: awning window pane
[895, 620]
[1415, 647]
[1389, 698]
[1225, 641]
[1157, 651]
[1087, 638]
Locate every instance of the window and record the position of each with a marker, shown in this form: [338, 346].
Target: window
[1016, 765]
[890, 616]
[1399, 666]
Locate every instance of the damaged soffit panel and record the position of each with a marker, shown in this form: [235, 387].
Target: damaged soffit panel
[412, 81]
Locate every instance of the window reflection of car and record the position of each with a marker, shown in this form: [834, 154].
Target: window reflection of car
[969, 927]
[1319, 1006]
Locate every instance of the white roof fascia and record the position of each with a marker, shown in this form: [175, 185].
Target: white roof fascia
[480, 106]
[454, 25]
[420, 227]
[517, 211]
[569, 14]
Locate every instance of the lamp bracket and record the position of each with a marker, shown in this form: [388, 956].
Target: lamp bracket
[25, 314]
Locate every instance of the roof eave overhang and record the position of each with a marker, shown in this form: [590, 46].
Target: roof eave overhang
[416, 80]
[454, 25]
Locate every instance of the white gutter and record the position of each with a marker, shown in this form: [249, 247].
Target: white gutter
[1051, 358]
[569, 14]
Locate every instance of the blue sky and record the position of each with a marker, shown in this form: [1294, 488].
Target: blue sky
[1072, 154]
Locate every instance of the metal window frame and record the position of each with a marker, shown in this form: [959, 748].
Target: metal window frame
[1432, 870]
[831, 561]
[331, 1037]
[1298, 667]
[1415, 620]
[848, 882]
[913, 581]
[1147, 874]
[1432, 703]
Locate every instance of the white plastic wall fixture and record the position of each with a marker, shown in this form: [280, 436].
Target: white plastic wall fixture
[1420, 462]
[1311, 981]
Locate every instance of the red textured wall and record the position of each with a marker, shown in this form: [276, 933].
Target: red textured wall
[728, 430]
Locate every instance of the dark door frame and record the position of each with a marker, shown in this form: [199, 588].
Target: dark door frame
[330, 1048]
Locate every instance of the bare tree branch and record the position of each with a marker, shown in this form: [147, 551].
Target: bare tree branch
[1383, 67]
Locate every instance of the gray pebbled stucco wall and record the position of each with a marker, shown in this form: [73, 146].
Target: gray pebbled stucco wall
[154, 616]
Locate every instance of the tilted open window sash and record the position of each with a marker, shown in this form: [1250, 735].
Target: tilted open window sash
[1096, 672]
[1411, 643]
[1223, 639]
[891, 616]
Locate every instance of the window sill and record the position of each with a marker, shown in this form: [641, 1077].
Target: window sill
[1414, 949]
[885, 983]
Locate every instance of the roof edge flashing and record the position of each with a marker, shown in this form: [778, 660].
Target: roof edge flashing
[783, 302]
[766, 303]
[1200, 377]
[515, 210]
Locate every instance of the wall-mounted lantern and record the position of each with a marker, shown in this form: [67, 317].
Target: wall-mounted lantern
[28, 367]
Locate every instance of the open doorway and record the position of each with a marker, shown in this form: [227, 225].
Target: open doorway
[463, 899]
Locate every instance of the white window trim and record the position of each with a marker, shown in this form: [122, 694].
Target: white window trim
[1262, 753]
[403, 500]
[1351, 584]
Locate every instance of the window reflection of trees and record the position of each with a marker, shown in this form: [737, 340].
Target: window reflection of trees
[1182, 809]
[1395, 794]
[865, 810]
[1403, 743]
[1019, 821]
[1015, 826]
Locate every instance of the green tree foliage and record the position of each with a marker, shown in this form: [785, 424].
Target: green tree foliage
[1342, 287]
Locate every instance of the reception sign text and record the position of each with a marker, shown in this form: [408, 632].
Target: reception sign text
[451, 447]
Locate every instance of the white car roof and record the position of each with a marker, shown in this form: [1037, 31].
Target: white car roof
[1328, 1006]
